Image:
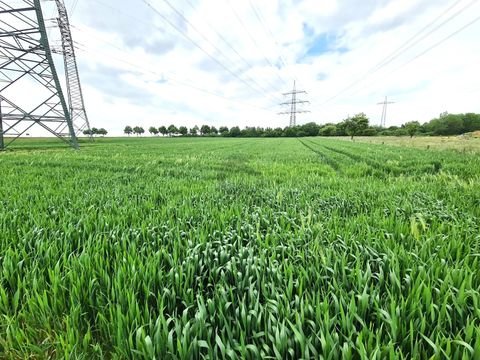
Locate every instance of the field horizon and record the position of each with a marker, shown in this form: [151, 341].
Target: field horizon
[456, 143]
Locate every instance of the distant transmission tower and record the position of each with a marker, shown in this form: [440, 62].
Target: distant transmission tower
[383, 121]
[293, 105]
[30, 89]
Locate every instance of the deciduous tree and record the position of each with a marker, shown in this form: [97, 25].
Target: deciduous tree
[153, 130]
[172, 130]
[355, 125]
[138, 130]
[183, 130]
[205, 130]
[163, 130]
[412, 128]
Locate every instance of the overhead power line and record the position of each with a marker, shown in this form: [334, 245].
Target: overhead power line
[211, 43]
[267, 30]
[74, 6]
[408, 43]
[438, 43]
[261, 18]
[424, 36]
[411, 42]
[165, 76]
[254, 41]
[140, 20]
[173, 79]
[430, 48]
[229, 44]
[223, 66]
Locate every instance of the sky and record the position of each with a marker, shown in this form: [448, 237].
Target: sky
[227, 63]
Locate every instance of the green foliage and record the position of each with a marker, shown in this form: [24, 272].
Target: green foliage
[369, 131]
[471, 122]
[412, 128]
[235, 131]
[172, 130]
[356, 124]
[205, 130]
[163, 130]
[328, 130]
[223, 130]
[192, 248]
[128, 130]
[138, 130]
[153, 130]
[310, 129]
[94, 131]
[194, 131]
[453, 124]
[446, 124]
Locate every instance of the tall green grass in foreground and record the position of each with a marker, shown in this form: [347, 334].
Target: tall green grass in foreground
[239, 248]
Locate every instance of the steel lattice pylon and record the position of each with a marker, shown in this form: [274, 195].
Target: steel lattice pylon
[75, 94]
[293, 104]
[30, 90]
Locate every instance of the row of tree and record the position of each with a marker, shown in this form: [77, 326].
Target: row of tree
[358, 125]
[445, 125]
[95, 131]
[353, 126]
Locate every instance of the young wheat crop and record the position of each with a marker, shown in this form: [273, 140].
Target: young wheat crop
[239, 248]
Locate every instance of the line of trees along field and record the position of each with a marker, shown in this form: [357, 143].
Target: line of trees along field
[94, 131]
[358, 125]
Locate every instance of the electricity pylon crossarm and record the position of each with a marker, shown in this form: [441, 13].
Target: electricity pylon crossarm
[383, 121]
[293, 104]
[31, 94]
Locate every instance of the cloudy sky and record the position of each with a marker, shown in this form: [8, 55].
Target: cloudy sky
[187, 62]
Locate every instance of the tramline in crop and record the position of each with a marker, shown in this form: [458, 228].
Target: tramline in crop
[239, 248]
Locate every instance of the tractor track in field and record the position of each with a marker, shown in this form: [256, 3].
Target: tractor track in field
[330, 162]
[370, 162]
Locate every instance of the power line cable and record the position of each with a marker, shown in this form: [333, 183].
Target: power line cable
[84, 48]
[440, 42]
[267, 30]
[403, 48]
[176, 28]
[430, 48]
[184, 18]
[228, 43]
[168, 21]
[435, 45]
[169, 78]
[74, 6]
[393, 55]
[252, 38]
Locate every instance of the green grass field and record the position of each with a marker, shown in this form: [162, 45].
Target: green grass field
[238, 248]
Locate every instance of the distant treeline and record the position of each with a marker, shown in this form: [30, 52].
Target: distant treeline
[94, 131]
[358, 125]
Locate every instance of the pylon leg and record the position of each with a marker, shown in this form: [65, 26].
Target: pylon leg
[30, 89]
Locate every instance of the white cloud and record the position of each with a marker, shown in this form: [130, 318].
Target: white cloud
[128, 53]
